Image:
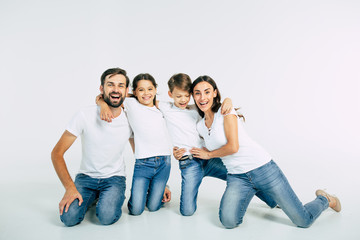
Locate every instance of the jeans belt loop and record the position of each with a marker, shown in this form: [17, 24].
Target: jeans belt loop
[186, 157]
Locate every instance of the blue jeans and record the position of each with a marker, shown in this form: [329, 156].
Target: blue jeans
[193, 171]
[148, 184]
[110, 193]
[268, 178]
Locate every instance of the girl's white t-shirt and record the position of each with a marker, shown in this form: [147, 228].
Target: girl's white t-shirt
[150, 134]
[181, 124]
[250, 154]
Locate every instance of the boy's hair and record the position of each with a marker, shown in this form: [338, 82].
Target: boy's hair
[181, 81]
[112, 72]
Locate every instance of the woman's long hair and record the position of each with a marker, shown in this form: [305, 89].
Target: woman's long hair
[217, 100]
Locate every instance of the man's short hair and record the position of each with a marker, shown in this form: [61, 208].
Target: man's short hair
[112, 72]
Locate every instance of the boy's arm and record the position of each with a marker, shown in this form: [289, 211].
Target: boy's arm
[57, 157]
[226, 106]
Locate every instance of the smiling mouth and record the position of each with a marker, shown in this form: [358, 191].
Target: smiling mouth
[115, 97]
[203, 104]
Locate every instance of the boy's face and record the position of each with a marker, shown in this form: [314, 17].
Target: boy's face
[181, 97]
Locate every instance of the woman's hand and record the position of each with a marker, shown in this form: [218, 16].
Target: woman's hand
[202, 153]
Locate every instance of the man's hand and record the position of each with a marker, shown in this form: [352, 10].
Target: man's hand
[69, 196]
[178, 152]
[167, 195]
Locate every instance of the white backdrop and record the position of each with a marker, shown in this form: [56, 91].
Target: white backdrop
[292, 66]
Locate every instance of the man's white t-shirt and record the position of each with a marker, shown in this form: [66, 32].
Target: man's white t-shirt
[181, 124]
[102, 142]
[150, 133]
[250, 154]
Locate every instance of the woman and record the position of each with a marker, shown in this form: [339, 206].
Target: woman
[250, 168]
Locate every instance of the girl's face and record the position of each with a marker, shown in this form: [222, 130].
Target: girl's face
[204, 95]
[145, 93]
[181, 97]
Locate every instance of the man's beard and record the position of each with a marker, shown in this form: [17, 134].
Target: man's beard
[111, 104]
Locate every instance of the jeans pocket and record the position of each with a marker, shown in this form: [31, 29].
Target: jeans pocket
[184, 163]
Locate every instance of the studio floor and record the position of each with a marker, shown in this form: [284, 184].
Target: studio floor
[29, 211]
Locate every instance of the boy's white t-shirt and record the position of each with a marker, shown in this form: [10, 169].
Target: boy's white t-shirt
[250, 154]
[150, 133]
[181, 125]
[102, 142]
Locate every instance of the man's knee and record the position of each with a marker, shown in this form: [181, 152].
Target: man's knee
[71, 218]
[108, 218]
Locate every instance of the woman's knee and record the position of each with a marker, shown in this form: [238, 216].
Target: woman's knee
[229, 220]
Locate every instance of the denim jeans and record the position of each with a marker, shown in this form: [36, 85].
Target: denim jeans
[193, 171]
[110, 193]
[268, 178]
[148, 184]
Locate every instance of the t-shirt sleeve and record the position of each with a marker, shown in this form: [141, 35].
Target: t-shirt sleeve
[130, 103]
[76, 124]
[164, 106]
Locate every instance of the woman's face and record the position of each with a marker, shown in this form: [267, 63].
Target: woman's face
[204, 95]
[145, 93]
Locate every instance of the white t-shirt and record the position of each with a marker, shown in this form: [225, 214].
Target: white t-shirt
[102, 142]
[181, 124]
[150, 133]
[250, 154]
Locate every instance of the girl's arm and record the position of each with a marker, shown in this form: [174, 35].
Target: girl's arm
[232, 145]
[105, 112]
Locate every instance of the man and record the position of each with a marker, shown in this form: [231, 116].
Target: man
[102, 171]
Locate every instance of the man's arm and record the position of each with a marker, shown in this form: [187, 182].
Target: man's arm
[57, 157]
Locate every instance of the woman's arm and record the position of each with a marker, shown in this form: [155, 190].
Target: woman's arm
[232, 145]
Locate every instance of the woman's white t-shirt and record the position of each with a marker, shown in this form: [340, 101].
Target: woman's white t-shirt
[181, 124]
[250, 154]
[150, 134]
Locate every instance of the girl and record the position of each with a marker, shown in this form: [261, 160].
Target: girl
[250, 168]
[152, 149]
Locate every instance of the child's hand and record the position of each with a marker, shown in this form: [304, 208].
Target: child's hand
[105, 112]
[226, 107]
[167, 195]
[178, 152]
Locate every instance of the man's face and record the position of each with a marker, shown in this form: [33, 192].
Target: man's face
[114, 90]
